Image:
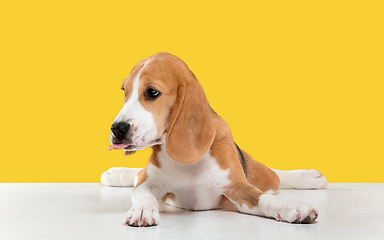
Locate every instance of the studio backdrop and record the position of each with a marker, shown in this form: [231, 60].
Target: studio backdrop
[300, 83]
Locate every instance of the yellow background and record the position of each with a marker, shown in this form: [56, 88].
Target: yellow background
[299, 82]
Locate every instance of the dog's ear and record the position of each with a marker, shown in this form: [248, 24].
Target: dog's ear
[191, 130]
[127, 153]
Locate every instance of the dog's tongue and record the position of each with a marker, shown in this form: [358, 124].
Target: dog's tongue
[117, 146]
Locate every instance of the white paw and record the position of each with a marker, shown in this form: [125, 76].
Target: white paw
[143, 217]
[119, 177]
[311, 179]
[294, 212]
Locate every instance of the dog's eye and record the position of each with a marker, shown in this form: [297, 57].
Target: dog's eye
[152, 94]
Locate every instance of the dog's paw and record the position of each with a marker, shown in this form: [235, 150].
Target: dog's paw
[311, 179]
[294, 212]
[142, 217]
[119, 177]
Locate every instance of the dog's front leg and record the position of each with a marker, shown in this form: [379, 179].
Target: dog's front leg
[144, 211]
[249, 199]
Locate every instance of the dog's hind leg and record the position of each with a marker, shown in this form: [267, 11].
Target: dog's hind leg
[261, 176]
[301, 179]
[249, 199]
[268, 180]
[120, 177]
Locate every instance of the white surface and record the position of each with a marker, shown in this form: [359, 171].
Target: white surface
[93, 211]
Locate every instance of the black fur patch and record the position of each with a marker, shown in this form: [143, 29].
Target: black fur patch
[193, 74]
[243, 161]
[213, 111]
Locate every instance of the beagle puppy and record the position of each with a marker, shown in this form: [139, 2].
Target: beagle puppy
[195, 163]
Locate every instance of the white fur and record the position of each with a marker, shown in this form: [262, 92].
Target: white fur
[197, 186]
[142, 124]
[119, 177]
[144, 210]
[301, 179]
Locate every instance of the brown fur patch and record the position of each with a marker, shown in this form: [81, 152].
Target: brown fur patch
[153, 159]
[261, 176]
[128, 82]
[224, 202]
[159, 74]
[168, 195]
[243, 193]
[191, 130]
[225, 152]
[241, 190]
[127, 153]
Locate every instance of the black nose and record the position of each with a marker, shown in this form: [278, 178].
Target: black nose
[120, 129]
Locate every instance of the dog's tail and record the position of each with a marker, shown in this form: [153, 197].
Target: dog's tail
[120, 177]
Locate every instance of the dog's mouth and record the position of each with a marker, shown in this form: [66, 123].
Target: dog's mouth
[120, 146]
[128, 147]
[132, 147]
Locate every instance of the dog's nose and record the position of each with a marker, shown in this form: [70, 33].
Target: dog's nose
[120, 129]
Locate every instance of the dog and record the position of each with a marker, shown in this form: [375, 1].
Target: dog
[195, 163]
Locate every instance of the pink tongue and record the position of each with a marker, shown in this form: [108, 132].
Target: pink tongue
[117, 146]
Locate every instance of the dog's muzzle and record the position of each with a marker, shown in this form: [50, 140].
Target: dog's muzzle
[120, 137]
[120, 130]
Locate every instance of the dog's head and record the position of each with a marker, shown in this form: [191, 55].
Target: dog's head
[164, 102]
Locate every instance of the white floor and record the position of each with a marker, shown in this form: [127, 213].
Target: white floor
[93, 211]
